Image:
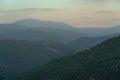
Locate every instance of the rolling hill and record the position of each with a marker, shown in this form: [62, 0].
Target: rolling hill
[18, 56]
[30, 53]
[99, 63]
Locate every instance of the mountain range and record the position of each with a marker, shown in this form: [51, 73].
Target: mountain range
[37, 30]
[62, 51]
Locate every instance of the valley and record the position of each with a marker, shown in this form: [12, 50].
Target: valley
[45, 50]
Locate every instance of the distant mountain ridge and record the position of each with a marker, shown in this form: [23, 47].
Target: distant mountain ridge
[37, 30]
[89, 42]
[99, 32]
[43, 24]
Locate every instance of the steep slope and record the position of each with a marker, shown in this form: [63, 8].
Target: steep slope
[99, 63]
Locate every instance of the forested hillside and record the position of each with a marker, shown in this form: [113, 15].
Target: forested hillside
[30, 53]
[18, 56]
[99, 63]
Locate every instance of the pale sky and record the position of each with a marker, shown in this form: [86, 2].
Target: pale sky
[79, 13]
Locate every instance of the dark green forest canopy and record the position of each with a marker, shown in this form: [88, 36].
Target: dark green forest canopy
[99, 63]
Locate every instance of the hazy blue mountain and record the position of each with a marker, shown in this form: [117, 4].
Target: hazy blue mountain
[99, 32]
[88, 42]
[37, 30]
[11, 26]
[32, 23]
[99, 63]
